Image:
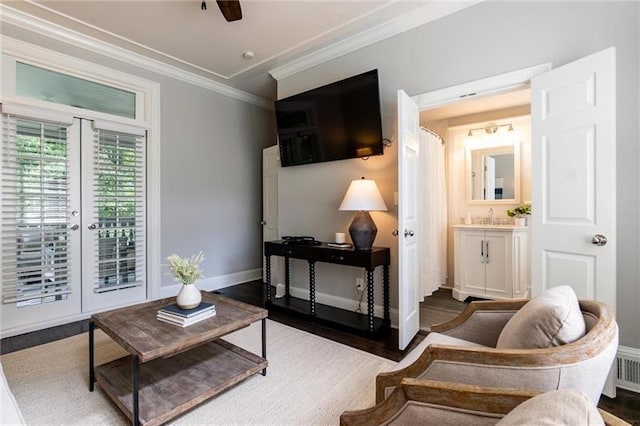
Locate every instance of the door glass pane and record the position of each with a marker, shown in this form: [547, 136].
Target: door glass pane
[35, 213]
[120, 208]
[39, 83]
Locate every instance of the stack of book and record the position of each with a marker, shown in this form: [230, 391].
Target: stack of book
[340, 245]
[175, 315]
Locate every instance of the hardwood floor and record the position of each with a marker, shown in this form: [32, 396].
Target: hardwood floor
[439, 307]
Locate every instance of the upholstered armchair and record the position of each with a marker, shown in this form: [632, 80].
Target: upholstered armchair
[426, 402]
[487, 345]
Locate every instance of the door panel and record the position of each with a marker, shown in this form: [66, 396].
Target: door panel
[573, 201]
[575, 270]
[409, 305]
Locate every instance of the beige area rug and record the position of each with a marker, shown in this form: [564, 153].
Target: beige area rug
[310, 381]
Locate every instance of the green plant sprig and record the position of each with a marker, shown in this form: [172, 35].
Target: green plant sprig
[520, 211]
[186, 270]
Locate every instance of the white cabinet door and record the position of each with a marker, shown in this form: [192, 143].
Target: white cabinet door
[498, 271]
[472, 261]
[491, 264]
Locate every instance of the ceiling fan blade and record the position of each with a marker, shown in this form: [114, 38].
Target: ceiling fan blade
[230, 9]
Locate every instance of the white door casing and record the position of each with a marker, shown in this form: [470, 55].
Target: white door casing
[408, 300]
[574, 179]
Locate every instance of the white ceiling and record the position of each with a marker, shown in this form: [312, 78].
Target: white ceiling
[179, 33]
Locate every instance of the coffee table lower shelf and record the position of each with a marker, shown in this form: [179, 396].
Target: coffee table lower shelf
[171, 386]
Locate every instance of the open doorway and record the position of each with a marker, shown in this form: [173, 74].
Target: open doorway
[572, 118]
[495, 128]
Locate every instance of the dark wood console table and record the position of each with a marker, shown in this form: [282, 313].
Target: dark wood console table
[368, 259]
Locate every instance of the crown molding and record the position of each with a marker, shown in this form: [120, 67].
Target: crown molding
[60, 33]
[406, 22]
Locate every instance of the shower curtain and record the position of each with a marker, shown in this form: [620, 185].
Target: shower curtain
[432, 205]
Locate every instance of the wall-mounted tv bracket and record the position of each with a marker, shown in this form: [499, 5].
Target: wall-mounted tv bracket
[386, 143]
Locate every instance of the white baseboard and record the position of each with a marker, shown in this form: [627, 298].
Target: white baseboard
[216, 283]
[344, 303]
[209, 284]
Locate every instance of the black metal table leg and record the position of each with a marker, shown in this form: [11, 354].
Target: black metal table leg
[92, 373]
[134, 391]
[370, 305]
[287, 276]
[312, 288]
[264, 343]
[385, 293]
[267, 266]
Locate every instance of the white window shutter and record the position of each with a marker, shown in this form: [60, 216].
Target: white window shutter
[117, 209]
[35, 211]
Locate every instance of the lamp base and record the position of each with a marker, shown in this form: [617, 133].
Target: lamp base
[363, 231]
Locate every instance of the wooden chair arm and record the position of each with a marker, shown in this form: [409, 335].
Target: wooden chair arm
[445, 394]
[584, 348]
[471, 308]
[611, 420]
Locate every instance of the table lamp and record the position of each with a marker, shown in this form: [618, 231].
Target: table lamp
[363, 196]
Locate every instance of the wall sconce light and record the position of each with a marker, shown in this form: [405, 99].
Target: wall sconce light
[491, 128]
[363, 196]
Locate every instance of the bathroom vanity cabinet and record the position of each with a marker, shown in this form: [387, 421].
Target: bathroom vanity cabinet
[491, 262]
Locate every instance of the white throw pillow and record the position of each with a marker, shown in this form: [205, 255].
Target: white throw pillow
[552, 318]
[554, 408]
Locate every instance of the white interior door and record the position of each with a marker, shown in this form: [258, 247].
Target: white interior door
[408, 300]
[270, 166]
[574, 179]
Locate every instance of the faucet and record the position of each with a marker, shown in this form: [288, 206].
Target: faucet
[490, 216]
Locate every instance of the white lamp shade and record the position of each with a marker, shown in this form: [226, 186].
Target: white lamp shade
[363, 195]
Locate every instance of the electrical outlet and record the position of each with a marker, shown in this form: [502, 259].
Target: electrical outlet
[359, 284]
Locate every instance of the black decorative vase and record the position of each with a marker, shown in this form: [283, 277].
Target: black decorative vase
[363, 231]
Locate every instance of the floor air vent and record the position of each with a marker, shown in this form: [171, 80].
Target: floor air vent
[628, 360]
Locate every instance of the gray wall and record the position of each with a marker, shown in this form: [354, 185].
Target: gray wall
[487, 39]
[211, 170]
[212, 177]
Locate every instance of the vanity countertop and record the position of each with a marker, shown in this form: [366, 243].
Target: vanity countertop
[492, 227]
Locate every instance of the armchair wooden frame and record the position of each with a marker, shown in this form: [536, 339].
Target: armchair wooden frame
[593, 342]
[492, 401]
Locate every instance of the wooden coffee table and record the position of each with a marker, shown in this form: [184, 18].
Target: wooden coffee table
[172, 369]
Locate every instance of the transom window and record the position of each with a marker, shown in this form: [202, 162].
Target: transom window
[46, 85]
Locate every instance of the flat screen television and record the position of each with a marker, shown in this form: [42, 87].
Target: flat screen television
[334, 122]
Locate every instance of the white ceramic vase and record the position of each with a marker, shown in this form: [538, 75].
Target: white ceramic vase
[189, 296]
[521, 221]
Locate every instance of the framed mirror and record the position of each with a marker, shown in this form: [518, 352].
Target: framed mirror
[493, 174]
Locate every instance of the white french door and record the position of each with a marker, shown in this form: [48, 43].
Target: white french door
[40, 251]
[73, 219]
[113, 215]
